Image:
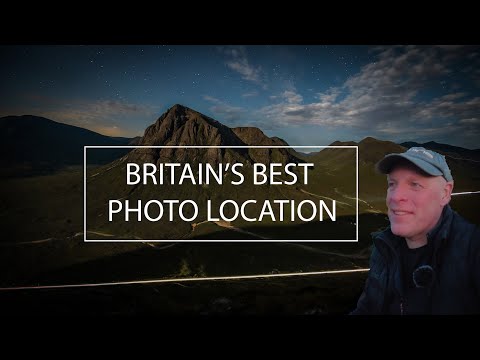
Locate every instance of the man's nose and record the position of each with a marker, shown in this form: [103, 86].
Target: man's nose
[397, 194]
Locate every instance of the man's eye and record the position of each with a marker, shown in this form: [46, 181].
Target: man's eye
[416, 185]
[390, 184]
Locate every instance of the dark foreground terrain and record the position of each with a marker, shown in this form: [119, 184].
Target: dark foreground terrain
[305, 295]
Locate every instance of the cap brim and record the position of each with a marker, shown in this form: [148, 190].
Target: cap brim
[387, 163]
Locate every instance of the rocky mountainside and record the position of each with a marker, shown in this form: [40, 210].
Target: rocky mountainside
[180, 126]
[255, 136]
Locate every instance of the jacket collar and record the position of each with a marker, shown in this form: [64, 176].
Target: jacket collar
[385, 240]
[388, 245]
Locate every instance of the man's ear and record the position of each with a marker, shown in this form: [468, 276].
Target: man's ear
[447, 193]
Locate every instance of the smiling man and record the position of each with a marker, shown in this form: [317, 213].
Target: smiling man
[428, 260]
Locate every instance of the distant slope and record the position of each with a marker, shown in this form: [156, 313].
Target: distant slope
[453, 151]
[335, 169]
[370, 150]
[33, 144]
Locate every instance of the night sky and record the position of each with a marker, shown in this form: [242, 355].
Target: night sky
[307, 95]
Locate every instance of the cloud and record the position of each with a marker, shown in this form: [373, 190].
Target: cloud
[390, 95]
[446, 107]
[212, 99]
[106, 110]
[112, 107]
[250, 94]
[470, 121]
[292, 97]
[225, 112]
[238, 62]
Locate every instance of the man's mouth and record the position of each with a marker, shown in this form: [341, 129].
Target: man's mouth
[401, 212]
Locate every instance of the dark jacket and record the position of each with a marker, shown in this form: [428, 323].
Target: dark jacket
[455, 260]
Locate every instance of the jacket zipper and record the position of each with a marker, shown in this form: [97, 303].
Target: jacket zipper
[401, 306]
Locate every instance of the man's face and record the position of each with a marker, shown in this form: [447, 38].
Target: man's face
[415, 201]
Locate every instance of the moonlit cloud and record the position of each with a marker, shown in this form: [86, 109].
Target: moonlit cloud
[250, 94]
[292, 97]
[230, 115]
[238, 62]
[386, 97]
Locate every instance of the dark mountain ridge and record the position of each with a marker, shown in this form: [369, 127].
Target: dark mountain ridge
[34, 144]
[453, 151]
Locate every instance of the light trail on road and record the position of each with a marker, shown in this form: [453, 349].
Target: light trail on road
[159, 281]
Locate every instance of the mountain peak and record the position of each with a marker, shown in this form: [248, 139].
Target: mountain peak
[179, 106]
[180, 125]
[179, 110]
[369, 139]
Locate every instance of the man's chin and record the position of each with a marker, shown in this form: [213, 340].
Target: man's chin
[399, 230]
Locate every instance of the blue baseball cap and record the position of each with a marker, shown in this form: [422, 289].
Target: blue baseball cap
[429, 161]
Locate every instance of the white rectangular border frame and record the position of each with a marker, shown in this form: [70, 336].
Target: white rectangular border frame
[85, 148]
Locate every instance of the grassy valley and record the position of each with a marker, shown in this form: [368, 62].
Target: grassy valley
[42, 217]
